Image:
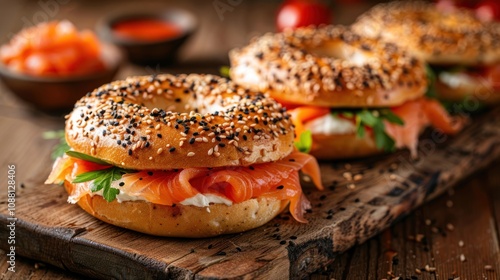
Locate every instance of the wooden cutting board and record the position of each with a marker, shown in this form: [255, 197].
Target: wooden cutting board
[361, 199]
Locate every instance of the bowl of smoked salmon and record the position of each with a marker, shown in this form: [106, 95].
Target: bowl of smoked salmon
[52, 65]
[149, 38]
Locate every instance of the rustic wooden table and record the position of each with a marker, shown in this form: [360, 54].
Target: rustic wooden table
[454, 236]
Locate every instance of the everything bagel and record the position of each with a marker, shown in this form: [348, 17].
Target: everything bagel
[187, 156]
[168, 122]
[434, 35]
[463, 51]
[330, 66]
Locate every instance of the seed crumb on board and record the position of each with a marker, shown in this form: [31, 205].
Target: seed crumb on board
[449, 203]
[430, 268]
[450, 227]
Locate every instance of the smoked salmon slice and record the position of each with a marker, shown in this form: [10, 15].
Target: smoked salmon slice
[278, 180]
[417, 115]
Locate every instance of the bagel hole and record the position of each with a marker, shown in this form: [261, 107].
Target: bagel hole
[342, 51]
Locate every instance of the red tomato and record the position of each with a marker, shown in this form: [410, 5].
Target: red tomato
[492, 74]
[296, 13]
[488, 10]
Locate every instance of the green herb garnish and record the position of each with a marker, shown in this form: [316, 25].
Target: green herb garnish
[102, 179]
[305, 142]
[431, 87]
[86, 157]
[224, 71]
[373, 119]
[62, 147]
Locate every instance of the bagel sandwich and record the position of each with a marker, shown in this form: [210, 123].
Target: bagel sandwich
[349, 95]
[463, 52]
[184, 156]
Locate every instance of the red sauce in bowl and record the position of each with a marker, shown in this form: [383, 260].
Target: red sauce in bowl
[146, 29]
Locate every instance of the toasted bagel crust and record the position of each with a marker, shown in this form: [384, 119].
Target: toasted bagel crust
[330, 66]
[343, 146]
[438, 37]
[181, 220]
[171, 122]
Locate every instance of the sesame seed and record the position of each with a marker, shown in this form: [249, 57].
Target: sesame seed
[190, 154]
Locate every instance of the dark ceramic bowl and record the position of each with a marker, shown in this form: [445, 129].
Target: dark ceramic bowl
[160, 52]
[59, 94]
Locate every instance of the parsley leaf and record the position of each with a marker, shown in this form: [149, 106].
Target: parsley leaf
[373, 119]
[102, 180]
[305, 142]
[62, 147]
[86, 157]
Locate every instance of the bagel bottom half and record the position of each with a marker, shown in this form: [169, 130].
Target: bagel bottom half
[468, 91]
[343, 146]
[182, 220]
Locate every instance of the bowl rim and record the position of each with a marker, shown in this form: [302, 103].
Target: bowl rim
[113, 66]
[105, 24]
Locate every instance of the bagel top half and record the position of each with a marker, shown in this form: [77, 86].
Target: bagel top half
[167, 122]
[436, 36]
[330, 66]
